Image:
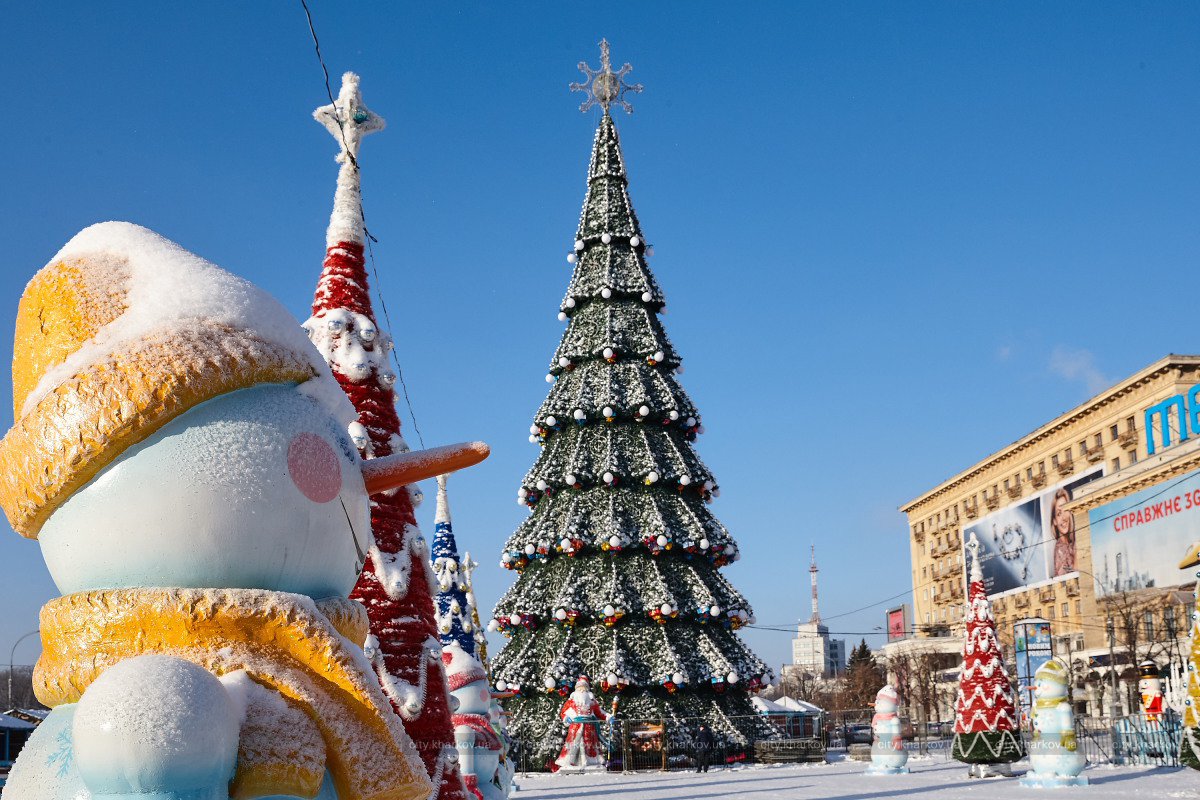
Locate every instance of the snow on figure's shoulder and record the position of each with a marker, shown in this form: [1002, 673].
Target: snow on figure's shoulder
[168, 287]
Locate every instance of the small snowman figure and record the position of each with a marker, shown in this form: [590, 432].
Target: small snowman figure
[888, 756]
[1053, 754]
[181, 453]
[479, 747]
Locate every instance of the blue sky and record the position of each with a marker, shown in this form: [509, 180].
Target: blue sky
[893, 237]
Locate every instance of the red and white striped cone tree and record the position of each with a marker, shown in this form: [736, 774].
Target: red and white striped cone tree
[395, 583]
[985, 721]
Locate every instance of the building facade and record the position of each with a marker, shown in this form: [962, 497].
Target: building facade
[1114, 472]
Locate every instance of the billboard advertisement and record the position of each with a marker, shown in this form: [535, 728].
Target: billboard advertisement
[1034, 647]
[1031, 543]
[1138, 541]
[897, 623]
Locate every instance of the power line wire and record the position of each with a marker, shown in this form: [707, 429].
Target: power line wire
[363, 216]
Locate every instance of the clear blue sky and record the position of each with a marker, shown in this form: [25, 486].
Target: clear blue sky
[893, 237]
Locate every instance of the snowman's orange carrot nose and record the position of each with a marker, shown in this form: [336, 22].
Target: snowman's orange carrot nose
[389, 472]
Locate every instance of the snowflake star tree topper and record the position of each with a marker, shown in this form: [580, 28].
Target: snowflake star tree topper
[603, 86]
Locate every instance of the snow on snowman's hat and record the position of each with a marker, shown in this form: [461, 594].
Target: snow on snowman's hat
[120, 333]
[461, 667]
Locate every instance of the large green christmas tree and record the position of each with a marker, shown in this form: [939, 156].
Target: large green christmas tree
[619, 560]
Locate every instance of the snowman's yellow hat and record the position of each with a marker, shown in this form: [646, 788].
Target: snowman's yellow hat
[120, 333]
[1053, 670]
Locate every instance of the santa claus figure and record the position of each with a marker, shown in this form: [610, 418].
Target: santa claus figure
[1150, 687]
[582, 715]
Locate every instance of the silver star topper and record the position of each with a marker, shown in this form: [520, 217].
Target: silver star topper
[603, 86]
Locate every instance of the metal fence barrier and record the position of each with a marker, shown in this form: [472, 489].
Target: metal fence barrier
[633, 745]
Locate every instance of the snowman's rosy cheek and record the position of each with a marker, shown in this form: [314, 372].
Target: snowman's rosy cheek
[313, 467]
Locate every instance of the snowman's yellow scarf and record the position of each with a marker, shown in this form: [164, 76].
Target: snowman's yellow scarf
[285, 642]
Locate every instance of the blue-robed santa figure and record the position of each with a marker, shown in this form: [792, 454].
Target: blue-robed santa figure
[582, 715]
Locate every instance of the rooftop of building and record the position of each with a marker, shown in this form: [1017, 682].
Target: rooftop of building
[1146, 373]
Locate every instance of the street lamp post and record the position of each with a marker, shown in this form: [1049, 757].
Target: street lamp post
[12, 654]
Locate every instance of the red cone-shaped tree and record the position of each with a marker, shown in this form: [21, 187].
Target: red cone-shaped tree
[985, 724]
[395, 584]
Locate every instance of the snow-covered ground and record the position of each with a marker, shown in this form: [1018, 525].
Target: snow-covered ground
[931, 779]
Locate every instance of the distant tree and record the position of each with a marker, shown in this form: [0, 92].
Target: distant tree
[863, 678]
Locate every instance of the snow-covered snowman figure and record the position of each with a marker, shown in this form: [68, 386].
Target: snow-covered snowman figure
[582, 715]
[181, 454]
[1053, 754]
[888, 756]
[479, 746]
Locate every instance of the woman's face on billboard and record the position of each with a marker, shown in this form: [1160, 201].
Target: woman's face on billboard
[1062, 519]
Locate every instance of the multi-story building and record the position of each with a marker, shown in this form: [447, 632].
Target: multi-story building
[1063, 533]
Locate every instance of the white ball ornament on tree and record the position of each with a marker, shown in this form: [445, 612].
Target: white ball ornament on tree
[715, 611]
[732, 677]
[551, 421]
[705, 544]
[579, 245]
[608, 478]
[560, 614]
[562, 316]
[514, 619]
[564, 362]
[678, 679]
[579, 415]
[541, 485]
[530, 549]
[608, 412]
[534, 429]
[565, 544]
[665, 608]
[674, 415]
[684, 480]
[571, 258]
[501, 685]
[644, 411]
[569, 479]
[647, 297]
[494, 626]
[608, 352]
[550, 378]
[613, 679]
[606, 238]
[614, 541]
[634, 241]
[661, 540]
[533, 439]
[652, 477]
[609, 611]
[549, 683]
[606, 293]
[659, 355]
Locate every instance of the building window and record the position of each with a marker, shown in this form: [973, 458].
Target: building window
[1116, 463]
[1148, 624]
[1114, 432]
[926, 617]
[1083, 448]
[1169, 621]
[1051, 612]
[1078, 606]
[923, 572]
[1066, 610]
[1099, 440]
[1130, 424]
[1054, 461]
[1029, 474]
[1131, 457]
